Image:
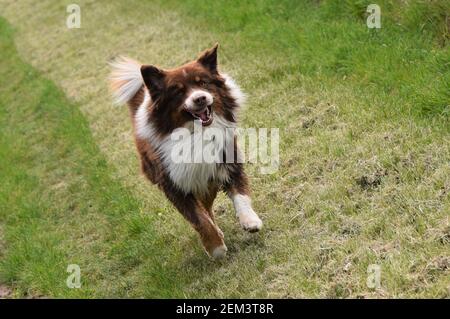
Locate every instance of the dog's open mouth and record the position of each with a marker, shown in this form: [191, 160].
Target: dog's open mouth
[204, 115]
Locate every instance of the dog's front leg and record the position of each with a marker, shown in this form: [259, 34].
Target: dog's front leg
[192, 209]
[238, 191]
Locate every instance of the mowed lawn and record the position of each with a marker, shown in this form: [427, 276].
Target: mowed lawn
[364, 176]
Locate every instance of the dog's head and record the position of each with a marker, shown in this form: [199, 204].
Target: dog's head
[194, 91]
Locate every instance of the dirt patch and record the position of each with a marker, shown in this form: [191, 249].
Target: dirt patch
[445, 236]
[441, 263]
[371, 181]
[5, 292]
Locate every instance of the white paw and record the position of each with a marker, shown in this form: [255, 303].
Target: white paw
[250, 222]
[244, 211]
[219, 252]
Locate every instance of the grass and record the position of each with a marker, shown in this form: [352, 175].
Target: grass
[364, 175]
[334, 44]
[59, 203]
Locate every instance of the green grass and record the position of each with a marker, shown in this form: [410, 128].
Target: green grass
[364, 128]
[59, 203]
[406, 60]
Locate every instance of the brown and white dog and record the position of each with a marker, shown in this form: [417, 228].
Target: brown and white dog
[161, 101]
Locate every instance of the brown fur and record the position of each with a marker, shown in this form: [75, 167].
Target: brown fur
[167, 89]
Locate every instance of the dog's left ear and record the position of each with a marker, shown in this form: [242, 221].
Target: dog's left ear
[209, 59]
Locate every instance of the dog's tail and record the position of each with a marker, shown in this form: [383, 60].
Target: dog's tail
[126, 82]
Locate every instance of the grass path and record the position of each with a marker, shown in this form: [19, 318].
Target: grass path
[59, 203]
[364, 176]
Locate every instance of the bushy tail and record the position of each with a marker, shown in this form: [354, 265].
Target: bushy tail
[125, 79]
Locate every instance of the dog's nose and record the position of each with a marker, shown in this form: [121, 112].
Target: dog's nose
[201, 100]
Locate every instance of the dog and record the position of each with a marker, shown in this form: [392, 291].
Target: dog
[164, 101]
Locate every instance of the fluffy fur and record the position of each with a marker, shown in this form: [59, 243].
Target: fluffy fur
[125, 79]
[163, 101]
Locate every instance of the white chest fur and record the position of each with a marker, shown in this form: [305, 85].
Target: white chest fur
[191, 176]
[192, 173]
[193, 160]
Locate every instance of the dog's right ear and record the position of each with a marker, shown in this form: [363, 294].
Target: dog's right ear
[153, 78]
[209, 58]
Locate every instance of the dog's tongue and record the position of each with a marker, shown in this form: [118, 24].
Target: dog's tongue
[204, 116]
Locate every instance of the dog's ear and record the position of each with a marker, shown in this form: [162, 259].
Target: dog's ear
[209, 59]
[153, 78]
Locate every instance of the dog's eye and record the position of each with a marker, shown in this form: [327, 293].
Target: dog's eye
[177, 89]
[200, 82]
